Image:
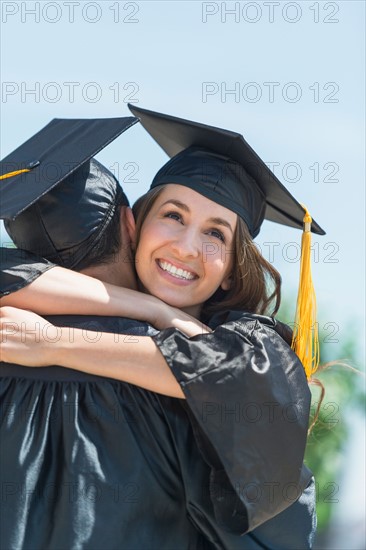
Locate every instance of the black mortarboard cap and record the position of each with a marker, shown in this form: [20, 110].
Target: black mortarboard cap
[61, 206]
[222, 166]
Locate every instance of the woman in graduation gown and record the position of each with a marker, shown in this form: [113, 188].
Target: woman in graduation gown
[250, 360]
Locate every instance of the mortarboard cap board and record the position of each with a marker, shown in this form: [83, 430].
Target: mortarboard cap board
[56, 199]
[222, 166]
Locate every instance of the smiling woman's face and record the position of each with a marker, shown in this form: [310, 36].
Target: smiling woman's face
[185, 249]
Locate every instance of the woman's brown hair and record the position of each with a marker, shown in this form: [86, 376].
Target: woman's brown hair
[255, 284]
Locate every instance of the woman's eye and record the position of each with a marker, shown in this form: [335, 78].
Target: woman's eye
[217, 234]
[173, 216]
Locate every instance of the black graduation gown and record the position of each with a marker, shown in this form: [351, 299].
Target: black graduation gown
[89, 462]
[186, 502]
[247, 392]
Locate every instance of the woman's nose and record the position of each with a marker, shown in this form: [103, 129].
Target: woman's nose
[187, 244]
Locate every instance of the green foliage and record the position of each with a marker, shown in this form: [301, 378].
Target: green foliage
[326, 443]
[344, 391]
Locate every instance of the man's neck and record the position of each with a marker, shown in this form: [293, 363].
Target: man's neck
[114, 274]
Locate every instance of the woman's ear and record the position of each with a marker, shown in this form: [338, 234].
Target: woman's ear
[226, 283]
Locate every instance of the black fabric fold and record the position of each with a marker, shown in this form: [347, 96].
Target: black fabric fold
[19, 268]
[249, 397]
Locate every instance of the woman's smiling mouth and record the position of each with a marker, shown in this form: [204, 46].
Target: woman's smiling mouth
[176, 272]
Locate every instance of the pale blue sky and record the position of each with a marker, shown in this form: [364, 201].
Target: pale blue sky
[170, 60]
[313, 53]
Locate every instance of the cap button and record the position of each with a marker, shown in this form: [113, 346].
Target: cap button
[33, 164]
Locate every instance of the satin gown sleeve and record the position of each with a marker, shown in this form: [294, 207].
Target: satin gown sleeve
[19, 268]
[248, 400]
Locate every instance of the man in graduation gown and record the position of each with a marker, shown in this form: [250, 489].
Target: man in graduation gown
[94, 462]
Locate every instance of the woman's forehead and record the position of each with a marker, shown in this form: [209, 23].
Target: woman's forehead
[195, 202]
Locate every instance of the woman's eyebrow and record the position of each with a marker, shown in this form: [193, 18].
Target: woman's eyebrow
[221, 221]
[177, 203]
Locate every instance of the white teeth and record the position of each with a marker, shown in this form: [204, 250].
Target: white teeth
[175, 271]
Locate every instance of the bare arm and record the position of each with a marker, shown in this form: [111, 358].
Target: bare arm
[30, 340]
[62, 291]
[135, 360]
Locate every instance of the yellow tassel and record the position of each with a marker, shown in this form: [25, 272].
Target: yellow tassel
[305, 340]
[15, 173]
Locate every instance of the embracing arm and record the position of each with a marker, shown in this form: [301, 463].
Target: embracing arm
[62, 291]
[28, 339]
[141, 362]
[131, 359]
[31, 282]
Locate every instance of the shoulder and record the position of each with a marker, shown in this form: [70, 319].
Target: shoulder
[266, 339]
[249, 323]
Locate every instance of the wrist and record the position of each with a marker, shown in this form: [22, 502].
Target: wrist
[155, 311]
[145, 308]
[57, 350]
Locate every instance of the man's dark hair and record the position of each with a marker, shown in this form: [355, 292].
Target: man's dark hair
[109, 243]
